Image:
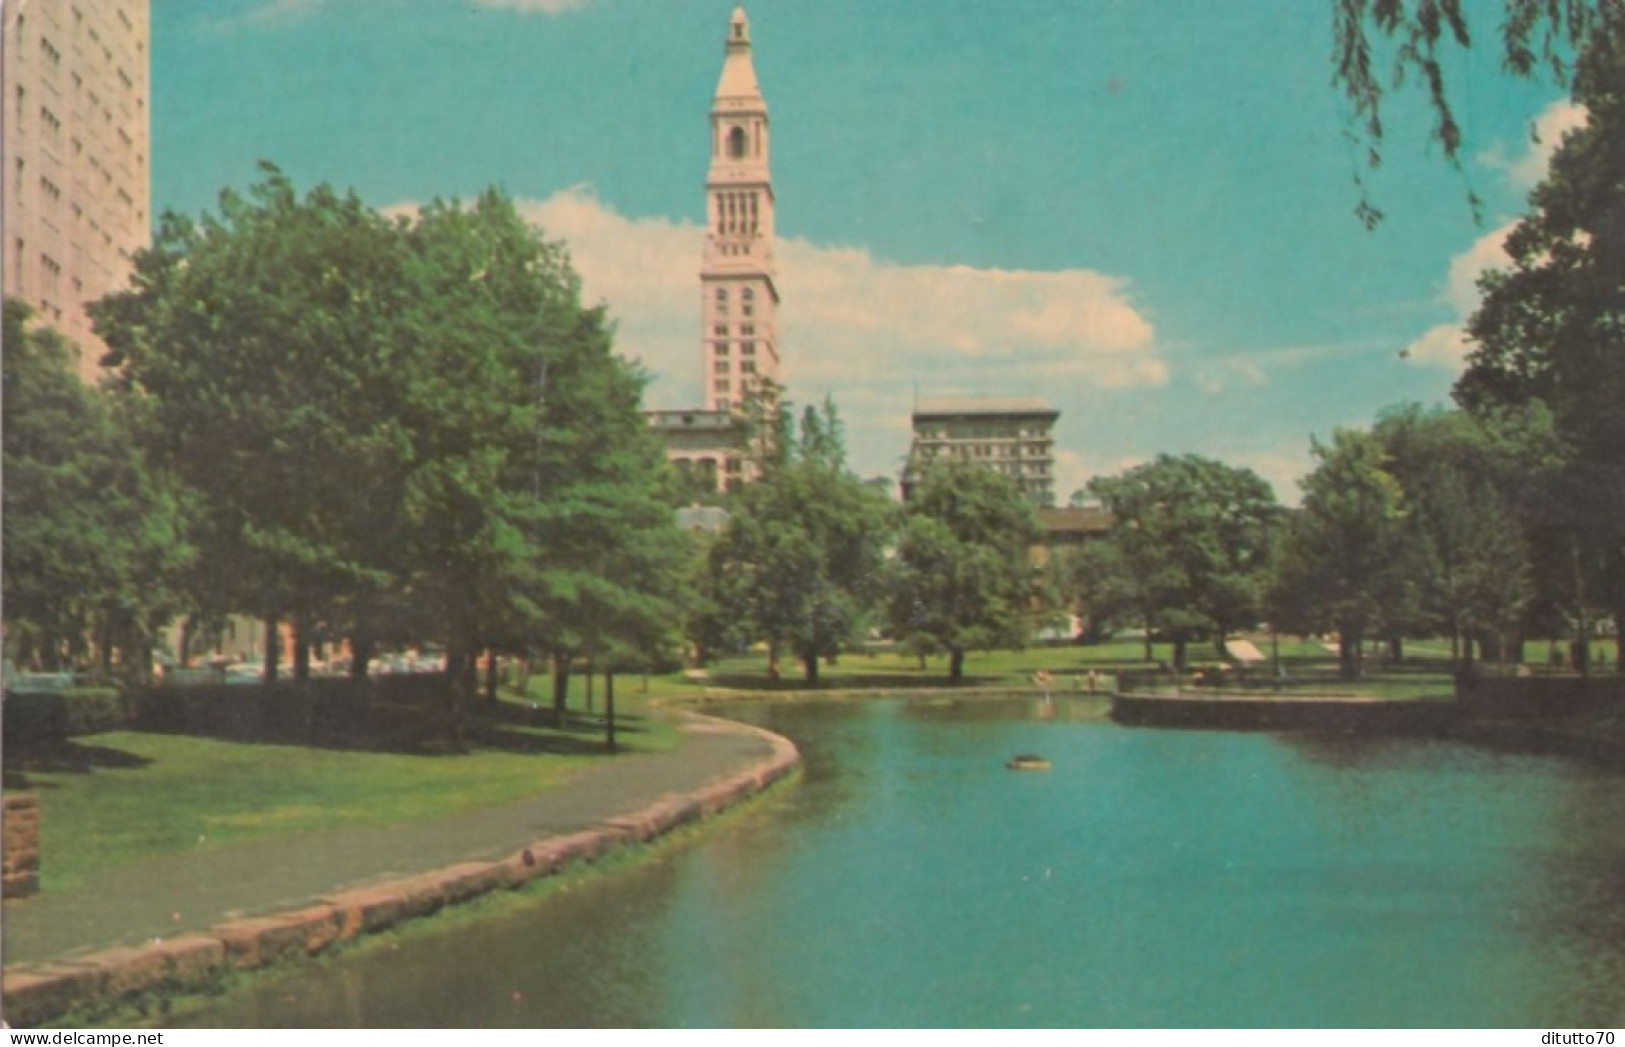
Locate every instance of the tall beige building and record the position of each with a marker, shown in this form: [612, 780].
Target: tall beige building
[741, 299]
[739, 306]
[1012, 435]
[76, 136]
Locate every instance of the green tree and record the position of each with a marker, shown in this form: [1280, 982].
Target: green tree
[254, 343]
[1551, 328]
[1193, 537]
[407, 430]
[1101, 590]
[536, 496]
[91, 535]
[800, 562]
[1463, 481]
[1342, 553]
[962, 579]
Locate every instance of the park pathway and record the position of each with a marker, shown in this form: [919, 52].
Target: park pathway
[164, 897]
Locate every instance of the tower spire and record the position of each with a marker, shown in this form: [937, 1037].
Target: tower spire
[739, 326]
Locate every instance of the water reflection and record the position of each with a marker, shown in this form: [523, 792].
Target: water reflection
[1164, 878]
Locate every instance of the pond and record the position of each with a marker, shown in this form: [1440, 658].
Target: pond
[1150, 878]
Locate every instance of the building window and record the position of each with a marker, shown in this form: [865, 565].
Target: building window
[720, 385]
[720, 330]
[747, 348]
[722, 348]
[748, 367]
[722, 301]
[736, 143]
[721, 367]
[748, 330]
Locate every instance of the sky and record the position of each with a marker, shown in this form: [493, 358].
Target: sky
[1142, 211]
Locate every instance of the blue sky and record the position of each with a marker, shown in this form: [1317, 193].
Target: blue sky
[1140, 210]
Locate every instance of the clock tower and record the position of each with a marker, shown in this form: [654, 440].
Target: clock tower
[740, 298]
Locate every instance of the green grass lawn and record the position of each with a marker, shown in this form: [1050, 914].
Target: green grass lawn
[109, 799]
[1311, 666]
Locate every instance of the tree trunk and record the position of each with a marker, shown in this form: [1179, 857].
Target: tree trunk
[491, 677]
[956, 664]
[592, 671]
[609, 709]
[810, 663]
[1396, 648]
[184, 655]
[1179, 654]
[273, 650]
[301, 648]
[106, 651]
[1150, 651]
[1221, 645]
[561, 688]
[1348, 655]
[360, 655]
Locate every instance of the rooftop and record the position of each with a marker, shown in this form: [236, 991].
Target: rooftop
[690, 419]
[959, 406]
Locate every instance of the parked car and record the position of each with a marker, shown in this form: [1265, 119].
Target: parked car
[39, 683]
[245, 672]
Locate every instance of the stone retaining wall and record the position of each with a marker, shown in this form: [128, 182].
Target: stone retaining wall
[1540, 697]
[37, 993]
[19, 861]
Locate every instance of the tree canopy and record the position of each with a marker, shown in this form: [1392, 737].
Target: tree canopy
[798, 566]
[1342, 556]
[961, 579]
[1550, 330]
[1191, 541]
[92, 536]
[405, 429]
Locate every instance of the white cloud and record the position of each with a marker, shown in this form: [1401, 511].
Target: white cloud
[1283, 468]
[869, 332]
[1446, 345]
[545, 7]
[1220, 375]
[1074, 470]
[1526, 169]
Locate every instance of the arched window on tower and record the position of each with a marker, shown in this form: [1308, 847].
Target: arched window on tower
[736, 143]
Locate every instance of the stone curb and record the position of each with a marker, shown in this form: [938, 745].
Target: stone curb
[34, 993]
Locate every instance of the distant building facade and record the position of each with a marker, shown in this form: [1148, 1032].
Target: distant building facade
[1007, 434]
[77, 157]
[739, 295]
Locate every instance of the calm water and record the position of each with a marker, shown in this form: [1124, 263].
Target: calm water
[1152, 878]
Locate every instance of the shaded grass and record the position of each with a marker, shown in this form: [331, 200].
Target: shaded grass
[1310, 667]
[110, 799]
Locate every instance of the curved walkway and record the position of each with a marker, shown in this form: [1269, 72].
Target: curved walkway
[148, 924]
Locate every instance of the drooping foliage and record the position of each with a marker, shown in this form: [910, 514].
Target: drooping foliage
[1550, 330]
